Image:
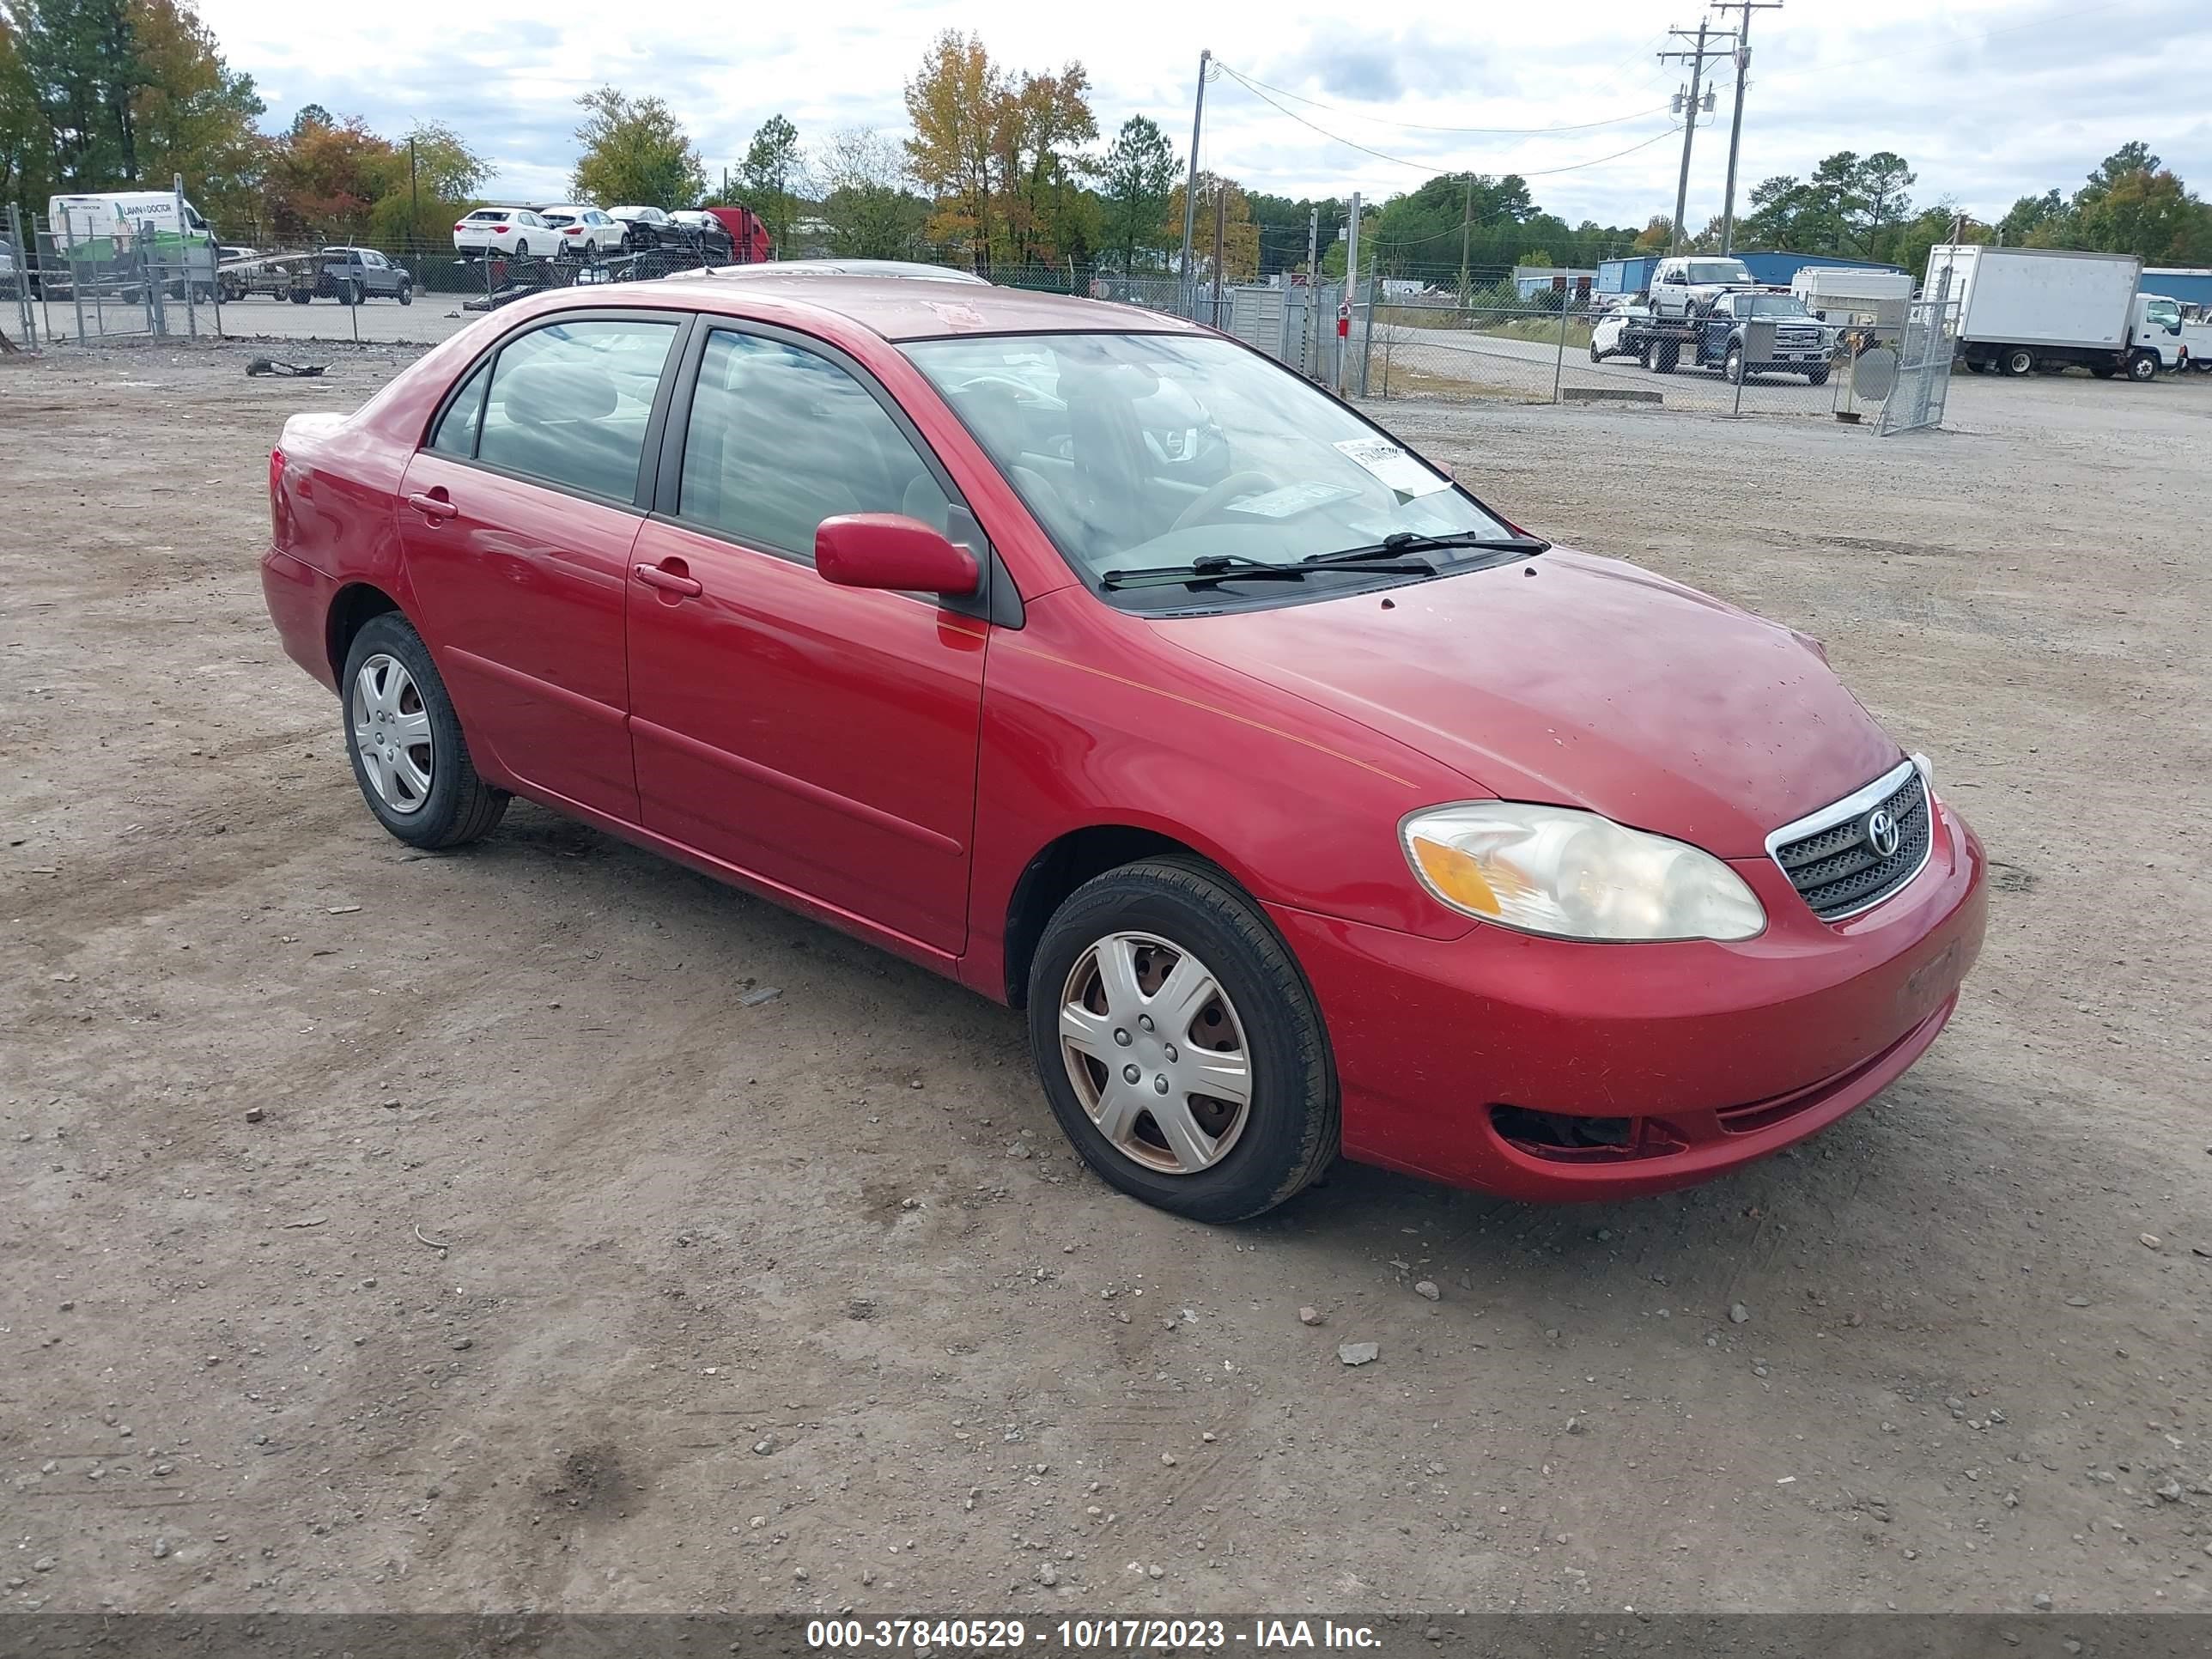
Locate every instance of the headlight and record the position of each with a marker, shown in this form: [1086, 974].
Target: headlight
[1574, 875]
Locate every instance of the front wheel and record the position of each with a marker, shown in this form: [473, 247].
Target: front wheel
[1732, 365]
[407, 294]
[404, 741]
[1178, 1043]
[1816, 377]
[2144, 366]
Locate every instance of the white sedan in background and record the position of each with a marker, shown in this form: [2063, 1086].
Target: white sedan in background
[516, 231]
[584, 231]
[1618, 333]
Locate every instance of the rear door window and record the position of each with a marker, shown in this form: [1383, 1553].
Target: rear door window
[568, 403]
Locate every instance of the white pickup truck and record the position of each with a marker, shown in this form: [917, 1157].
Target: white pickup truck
[1686, 286]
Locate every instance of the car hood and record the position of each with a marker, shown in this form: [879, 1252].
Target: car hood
[1580, 681]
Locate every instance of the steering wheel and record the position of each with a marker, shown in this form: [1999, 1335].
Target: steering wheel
[1235, 485]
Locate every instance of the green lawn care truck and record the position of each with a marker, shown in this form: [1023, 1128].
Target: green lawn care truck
[103, 242]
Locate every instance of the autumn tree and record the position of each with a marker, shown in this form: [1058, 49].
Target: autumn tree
[1656, 236]
[957, 103]
[769, 177]
[635, 151]
[1221, 202]
[1136, 180]
[325, 176]
[193, 116]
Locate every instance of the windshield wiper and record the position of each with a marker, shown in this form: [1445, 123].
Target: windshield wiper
[1212, 567]
[1400, 542]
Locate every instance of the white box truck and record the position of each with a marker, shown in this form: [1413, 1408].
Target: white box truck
[2023, 309]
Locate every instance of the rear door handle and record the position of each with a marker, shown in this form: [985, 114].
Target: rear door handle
[433, 507]
[669, 582]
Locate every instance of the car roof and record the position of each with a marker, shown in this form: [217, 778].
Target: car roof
[901, 308]
[911, 269]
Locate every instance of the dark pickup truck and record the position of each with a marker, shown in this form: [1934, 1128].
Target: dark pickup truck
[353, 276]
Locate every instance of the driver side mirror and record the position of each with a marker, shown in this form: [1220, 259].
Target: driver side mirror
[890, 550]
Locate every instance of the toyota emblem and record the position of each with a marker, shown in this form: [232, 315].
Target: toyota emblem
[1881, 832]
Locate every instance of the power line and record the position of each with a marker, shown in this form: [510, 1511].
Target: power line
[1255, 85]
[1423, 167]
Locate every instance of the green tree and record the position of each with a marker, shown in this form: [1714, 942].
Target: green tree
[1880, 202]
[82, 61]
[1048, 217]
[769, 175]
[430, 177]
[27, 141]
[635, 151]
[1135, 181]
[2031, 212]
[871, 212]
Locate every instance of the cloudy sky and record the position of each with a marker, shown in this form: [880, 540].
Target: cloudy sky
[1987, 98]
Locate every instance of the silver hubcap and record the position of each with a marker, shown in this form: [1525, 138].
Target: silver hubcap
[391, 733]
[1155, 1052]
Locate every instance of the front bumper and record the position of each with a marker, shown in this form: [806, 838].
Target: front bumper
[1692, 1058]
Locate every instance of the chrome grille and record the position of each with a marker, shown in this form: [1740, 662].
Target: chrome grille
[1831, 856]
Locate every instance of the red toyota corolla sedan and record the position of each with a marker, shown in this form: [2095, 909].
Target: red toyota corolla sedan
[1087, 657]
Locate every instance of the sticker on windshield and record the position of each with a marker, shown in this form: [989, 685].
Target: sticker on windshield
[1290, 499]
[1394, 467]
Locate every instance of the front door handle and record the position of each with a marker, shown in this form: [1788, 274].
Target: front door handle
[669, 582]
[433, 507]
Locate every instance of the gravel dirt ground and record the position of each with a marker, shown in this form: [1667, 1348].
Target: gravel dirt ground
[391, 1231]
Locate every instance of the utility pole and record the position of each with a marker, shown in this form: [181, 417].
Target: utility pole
[1351, 285]
[1190, 188]
[1466, 223]
[1696, 59]
[1735, 120]
[413, 202]
[1220, 227]
[1313, 249]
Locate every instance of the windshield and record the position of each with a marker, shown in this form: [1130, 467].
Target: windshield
[2162, 314]
[1145, 451]
[1719, 270]
[1777, 305]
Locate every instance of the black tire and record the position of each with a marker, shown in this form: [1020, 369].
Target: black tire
[522, 250]
[407, 294]
[300, 296]
[460, 806]
[2017, 361]
[1816, 377]
[1597, 356]
[2103, 371]
[1293, 1126]
[1732, 365]
[2142, 365]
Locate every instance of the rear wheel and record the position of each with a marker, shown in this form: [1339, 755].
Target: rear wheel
[404, 741]
[1178, 1043]
[522, 250]
[2016, 360]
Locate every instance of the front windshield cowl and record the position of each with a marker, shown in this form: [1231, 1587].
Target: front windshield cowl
[1157, 452]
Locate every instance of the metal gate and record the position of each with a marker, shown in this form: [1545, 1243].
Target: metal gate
[1924, 361]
